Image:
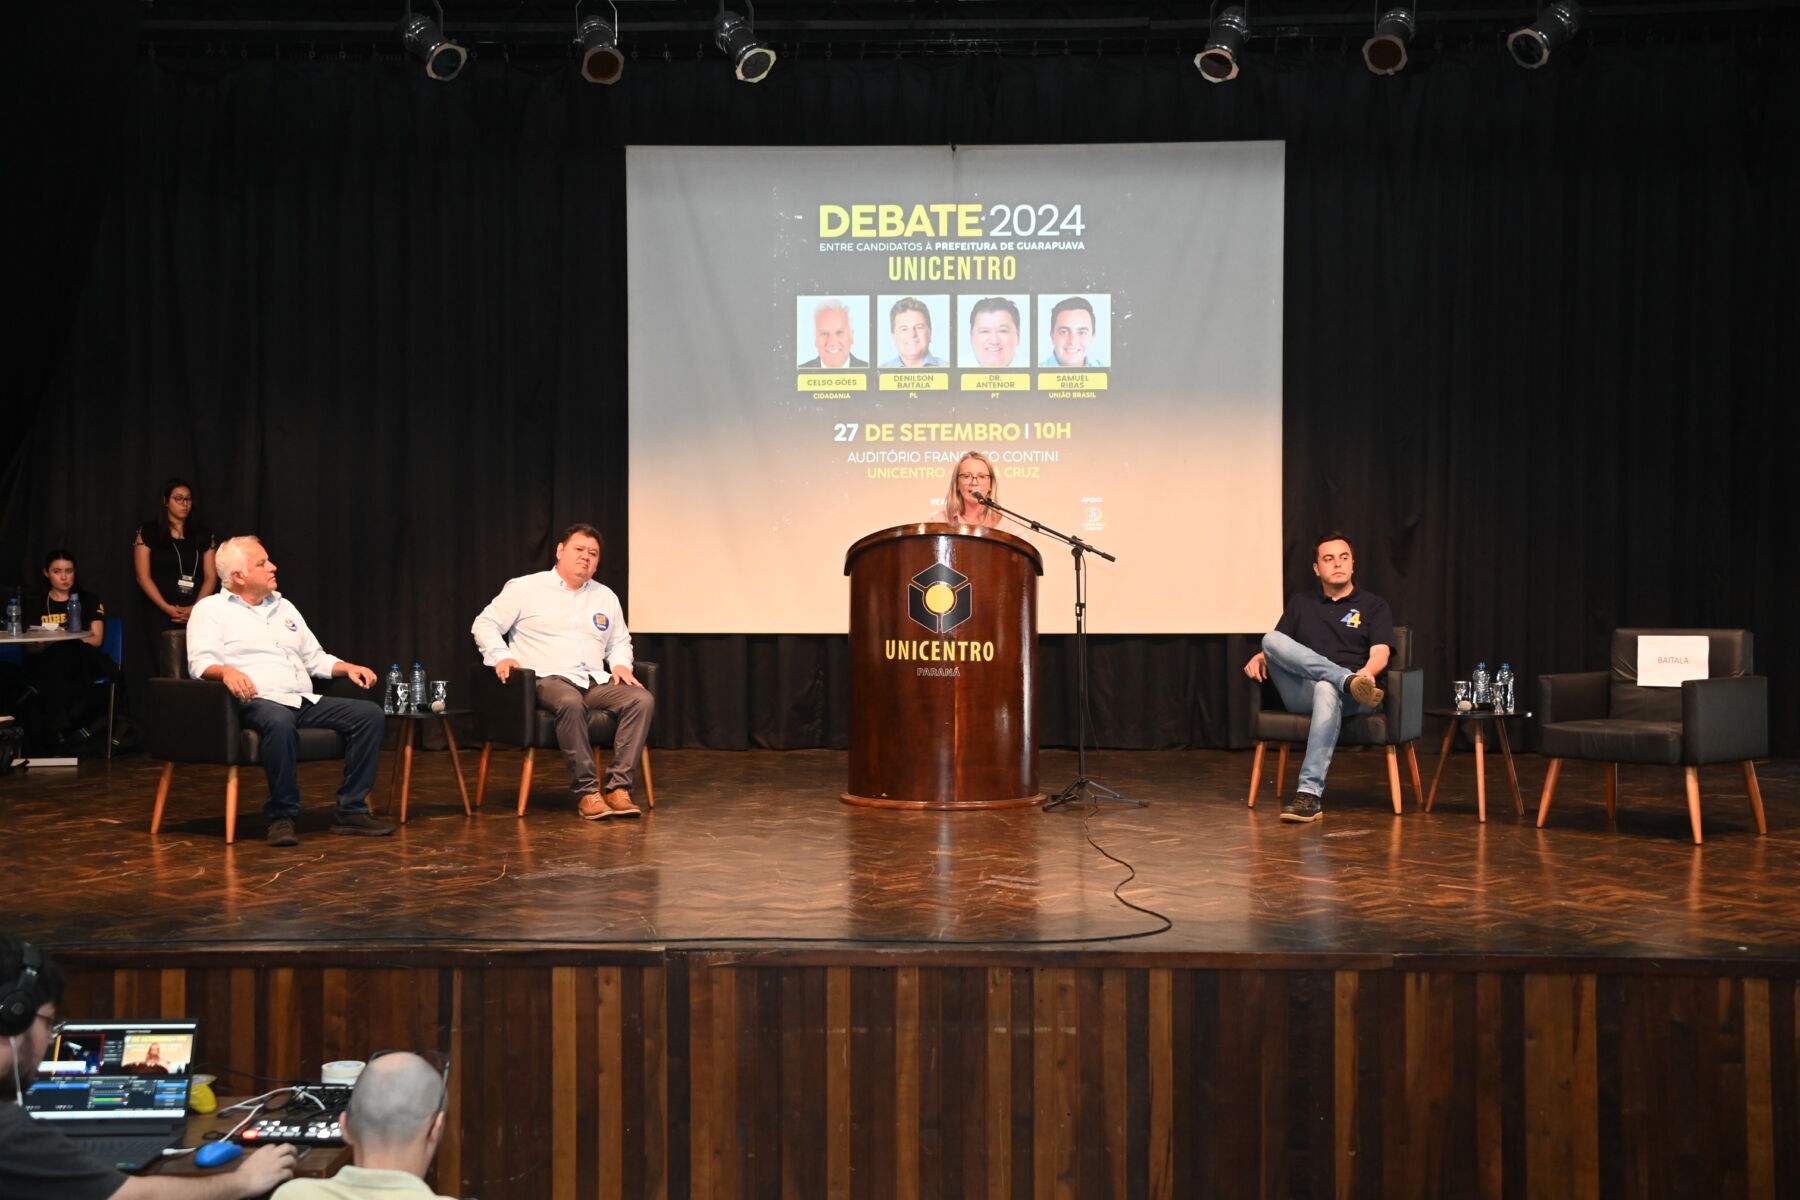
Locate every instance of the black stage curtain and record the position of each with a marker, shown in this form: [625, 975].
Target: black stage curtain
[1539, 340]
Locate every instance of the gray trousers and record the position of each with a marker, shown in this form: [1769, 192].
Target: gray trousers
[631, 707]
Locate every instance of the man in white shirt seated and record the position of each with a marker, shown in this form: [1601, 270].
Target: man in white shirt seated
[393, 1126]
[256, 643]
[571, 631]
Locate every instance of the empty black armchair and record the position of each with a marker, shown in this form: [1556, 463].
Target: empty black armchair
[507, 714]
[186, 720]
[1607, 716]
[1396, 727]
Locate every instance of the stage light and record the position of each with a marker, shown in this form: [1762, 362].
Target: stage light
[1224, 39]
[1385, 52]
[425, 41]
[1555, 24]
[750, 60]
[601, 61]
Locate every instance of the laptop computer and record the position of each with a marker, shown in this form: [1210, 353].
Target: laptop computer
[119, 1088]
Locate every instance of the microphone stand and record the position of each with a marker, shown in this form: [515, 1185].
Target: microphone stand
[1083, 786]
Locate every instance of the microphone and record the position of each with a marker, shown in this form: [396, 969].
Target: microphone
[978, 495]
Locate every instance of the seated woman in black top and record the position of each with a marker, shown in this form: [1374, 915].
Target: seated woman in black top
[69, 679]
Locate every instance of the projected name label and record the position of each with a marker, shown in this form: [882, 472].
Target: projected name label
[1081, 381]
[833, 383]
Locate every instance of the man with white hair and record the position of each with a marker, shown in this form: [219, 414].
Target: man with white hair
[393, 1126]
[254, 641]
[833, 338]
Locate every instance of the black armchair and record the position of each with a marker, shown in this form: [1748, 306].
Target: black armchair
[1606, 716]
[186, 720]
[1396, 727]
[508, 714]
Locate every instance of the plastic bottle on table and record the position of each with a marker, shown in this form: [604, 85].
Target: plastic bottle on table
[74, 625]
[1503, 689]
[393, 690]
[419, 701]
[15, 618]
[1484, 691]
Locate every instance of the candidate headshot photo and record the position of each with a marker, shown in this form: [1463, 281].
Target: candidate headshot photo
[911, 320]
[832, 324]
[996, 333]
[1076, 330]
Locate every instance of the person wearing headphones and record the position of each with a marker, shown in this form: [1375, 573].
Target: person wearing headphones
[37, 1162]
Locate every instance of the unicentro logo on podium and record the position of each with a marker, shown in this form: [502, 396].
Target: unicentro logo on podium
[939, 598]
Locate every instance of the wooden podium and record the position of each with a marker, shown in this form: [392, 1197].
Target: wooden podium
[943, 668]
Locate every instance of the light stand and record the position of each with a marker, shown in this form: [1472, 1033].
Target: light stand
[1083, 786]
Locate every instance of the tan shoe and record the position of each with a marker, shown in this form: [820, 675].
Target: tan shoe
[619, 801]
[1364, 691]
[592, 807]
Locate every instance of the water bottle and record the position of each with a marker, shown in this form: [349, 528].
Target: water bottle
[74, 625]
[1484, 692]
[1503, 689]
[418, 687]
[390, 698]
[15, 618]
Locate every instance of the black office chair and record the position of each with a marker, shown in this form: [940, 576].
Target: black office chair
[1606, 716]
[1395, 727]
[508, 714]
[186, 720]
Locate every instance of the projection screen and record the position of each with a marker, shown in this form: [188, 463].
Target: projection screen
[817, 335]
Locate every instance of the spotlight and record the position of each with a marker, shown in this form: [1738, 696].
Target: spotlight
[1385, 52]
[1555, 24]
[601, 61]
[751, 61]
[426, 42]
[1224, 38]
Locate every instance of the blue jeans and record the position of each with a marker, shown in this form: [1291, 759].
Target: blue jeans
[1311, 683]
[362, 725]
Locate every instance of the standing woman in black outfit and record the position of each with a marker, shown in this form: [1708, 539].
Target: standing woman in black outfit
[174, 565]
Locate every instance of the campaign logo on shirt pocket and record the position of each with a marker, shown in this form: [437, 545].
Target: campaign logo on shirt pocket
[602, 622]
[291, 627]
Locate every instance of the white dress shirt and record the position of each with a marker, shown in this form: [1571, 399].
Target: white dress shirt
[577, 633]
[270, 642]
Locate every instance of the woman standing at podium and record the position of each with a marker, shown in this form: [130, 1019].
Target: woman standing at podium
[974, 473]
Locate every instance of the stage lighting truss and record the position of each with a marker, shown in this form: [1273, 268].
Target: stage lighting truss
[1385, 51]
[424, 40]
[1218, 62]
[751, 61]
[1554, 26]
[598, 38]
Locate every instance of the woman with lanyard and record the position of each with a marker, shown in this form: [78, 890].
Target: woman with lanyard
[173, 555]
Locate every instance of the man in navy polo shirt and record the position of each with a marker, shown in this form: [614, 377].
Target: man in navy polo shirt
[1324, 655]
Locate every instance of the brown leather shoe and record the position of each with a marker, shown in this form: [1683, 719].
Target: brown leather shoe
[619, 801]
[592, 807]
[1364, 691]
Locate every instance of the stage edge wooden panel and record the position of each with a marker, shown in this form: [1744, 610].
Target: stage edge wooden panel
[707, 1074]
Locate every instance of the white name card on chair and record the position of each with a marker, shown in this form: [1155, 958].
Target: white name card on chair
[1665, 660]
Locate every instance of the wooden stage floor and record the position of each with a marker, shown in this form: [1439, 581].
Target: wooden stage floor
[754, 848]
[760, 991]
